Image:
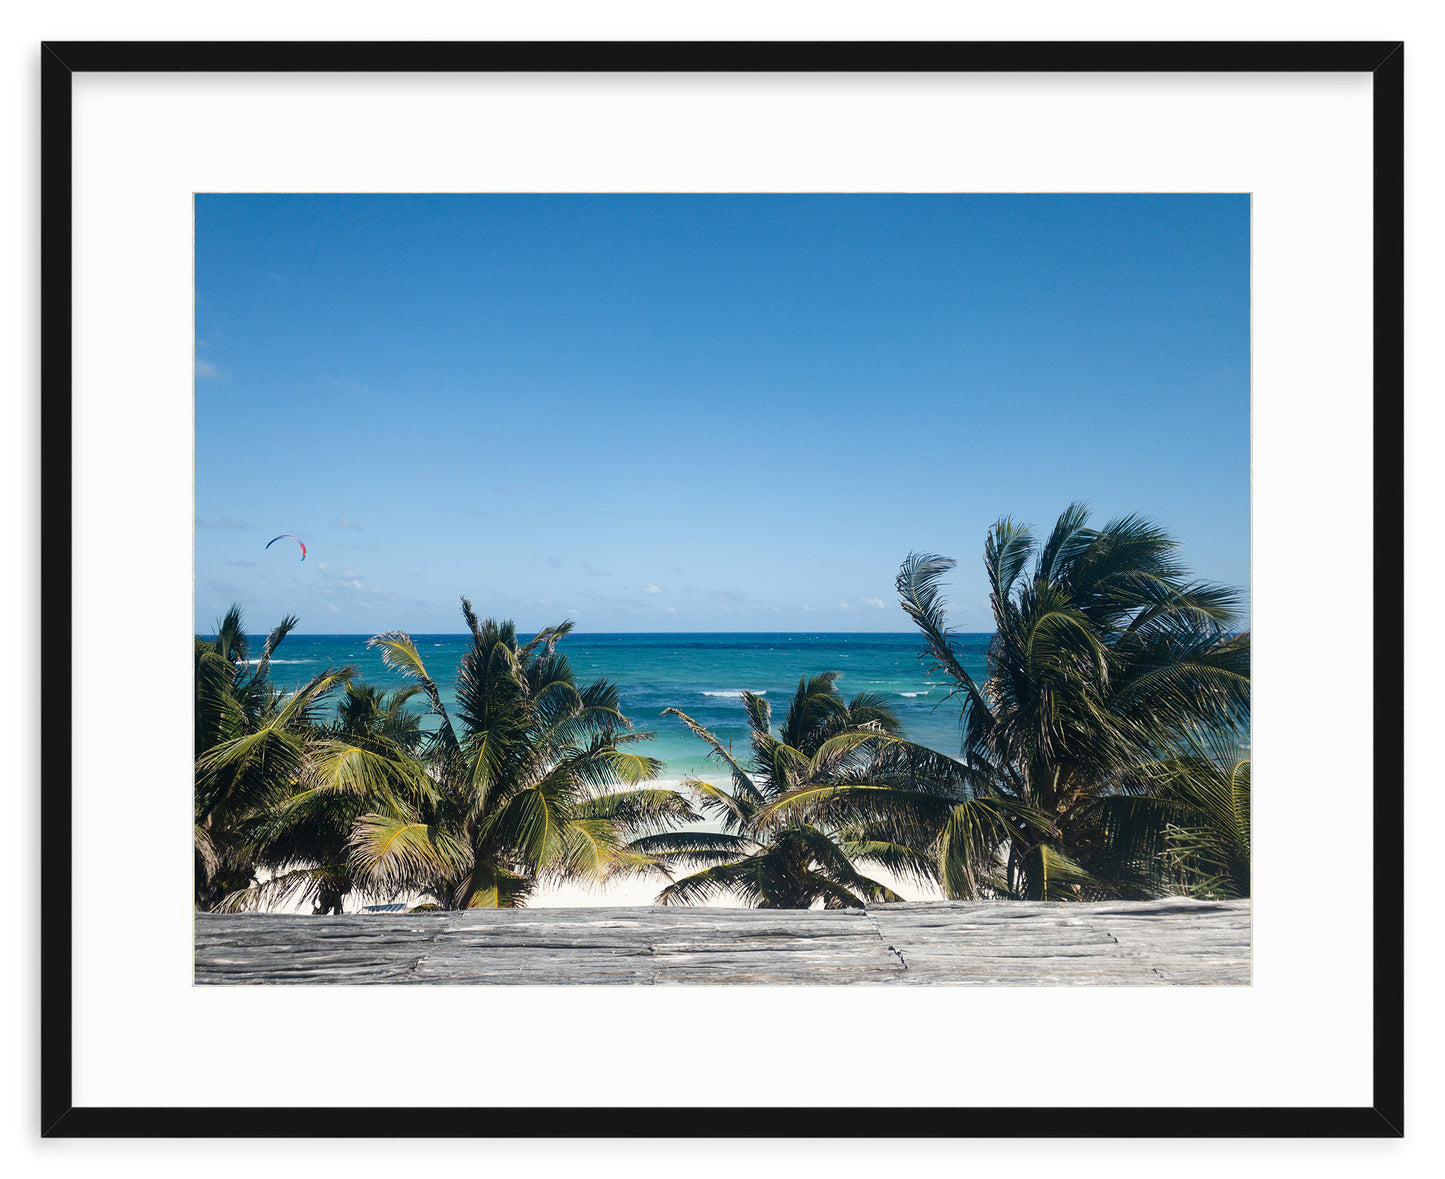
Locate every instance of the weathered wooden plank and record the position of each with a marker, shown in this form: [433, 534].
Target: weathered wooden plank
[526, 966]
[1044, 979]
[1231, 975]
[716, 966]
[277, 965]
[1173, 941]
[978, 935]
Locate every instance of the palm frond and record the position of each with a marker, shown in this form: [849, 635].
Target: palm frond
[906, 862]
[396, 854]
[741, 779]
[695, 848]
[919, 593]
[296, 886]
[1070, 538]
[532, 822]
[638, 811]
[970, 843]
[743, 880]
[1049, 874]
[399, 653]
[340, 767]
[489, 885]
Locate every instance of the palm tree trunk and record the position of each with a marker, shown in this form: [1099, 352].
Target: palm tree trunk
[329, 899]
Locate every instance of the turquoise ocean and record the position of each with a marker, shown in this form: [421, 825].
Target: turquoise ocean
[702, 675]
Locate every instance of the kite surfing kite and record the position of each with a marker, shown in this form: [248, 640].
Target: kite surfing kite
[288, 536]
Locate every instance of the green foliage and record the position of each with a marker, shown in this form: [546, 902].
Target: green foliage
[363, 763]
[251, 745]
[1104, 754]
[535, 778]
[532, 779]
[1095, 752]
[825, 792]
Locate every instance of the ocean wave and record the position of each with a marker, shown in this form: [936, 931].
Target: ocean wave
[913, 693]
[253, 662]
[735, 693]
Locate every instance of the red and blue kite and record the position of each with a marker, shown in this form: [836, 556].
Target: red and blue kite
[288, 536]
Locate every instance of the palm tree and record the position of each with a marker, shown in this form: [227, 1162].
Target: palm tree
[1108, 663]
[365, 762]
[806, 806]
[250, 744]
[534, 779]
[1184, 826]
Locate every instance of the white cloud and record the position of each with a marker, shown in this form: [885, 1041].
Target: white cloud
[205, 370]
[809, 609]
[876, 603]
[594, 571]
[843, 604]
[652, 589]
[670, 609]
[344, 522]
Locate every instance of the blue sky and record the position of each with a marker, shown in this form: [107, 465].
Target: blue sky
[700, 413]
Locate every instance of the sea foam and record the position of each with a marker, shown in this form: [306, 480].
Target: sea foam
[735, 693]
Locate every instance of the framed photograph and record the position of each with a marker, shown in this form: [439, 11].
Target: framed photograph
[761, 517]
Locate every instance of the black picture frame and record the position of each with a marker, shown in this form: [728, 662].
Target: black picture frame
[1384, 61]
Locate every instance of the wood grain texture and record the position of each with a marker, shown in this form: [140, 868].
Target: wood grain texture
[1011, 943]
